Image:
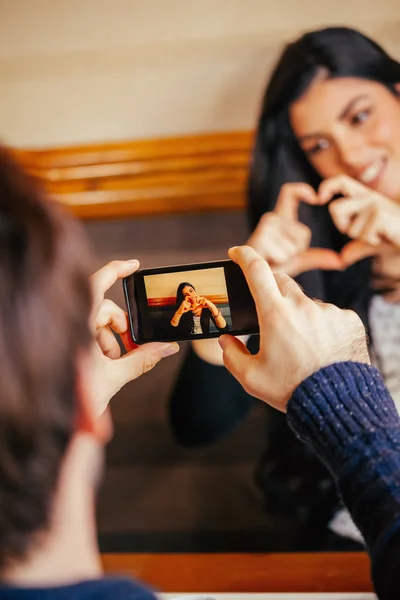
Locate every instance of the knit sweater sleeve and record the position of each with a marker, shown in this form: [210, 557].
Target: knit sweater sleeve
[347, 416]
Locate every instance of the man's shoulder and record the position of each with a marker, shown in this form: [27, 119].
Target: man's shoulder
[109, 588]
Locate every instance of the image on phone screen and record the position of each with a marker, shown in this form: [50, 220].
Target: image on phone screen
[190, 302]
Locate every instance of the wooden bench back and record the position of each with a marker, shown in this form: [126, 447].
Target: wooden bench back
[148, 177]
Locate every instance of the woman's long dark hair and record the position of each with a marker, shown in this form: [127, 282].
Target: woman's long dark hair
[277, 157]
[186, 324]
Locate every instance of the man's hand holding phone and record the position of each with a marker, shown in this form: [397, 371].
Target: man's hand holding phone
[298, 336]
[112, 370]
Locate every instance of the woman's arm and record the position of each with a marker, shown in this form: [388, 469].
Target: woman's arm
[216, 314]
[176, 318]
[184, 308]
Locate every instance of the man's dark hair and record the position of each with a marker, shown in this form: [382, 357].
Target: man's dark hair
[45, 303]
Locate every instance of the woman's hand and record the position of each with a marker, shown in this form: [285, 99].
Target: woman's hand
[362, 213]
[373, 221]
[205, 303]
[186, 306]
[113, 371]
[285, 242]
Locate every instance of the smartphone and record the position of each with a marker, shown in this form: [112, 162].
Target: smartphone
[187, 302]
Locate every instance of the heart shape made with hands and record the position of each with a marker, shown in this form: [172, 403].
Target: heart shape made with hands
[354, 214]
[197, 304]
[351, 215]
[329, 260]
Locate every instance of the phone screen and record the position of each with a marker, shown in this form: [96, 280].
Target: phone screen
[186, 302]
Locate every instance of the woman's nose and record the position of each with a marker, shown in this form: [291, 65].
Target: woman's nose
[353, 153]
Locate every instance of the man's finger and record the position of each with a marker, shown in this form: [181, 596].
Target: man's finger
[259, 277]
[290, 197]
[105, 277]
[111, 314]
[288, 287]
[237, 359]
[314, 258]
[128, 342]
[107, 342]
[143, 359]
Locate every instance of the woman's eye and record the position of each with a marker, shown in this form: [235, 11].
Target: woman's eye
[360, 117]
[318, 147]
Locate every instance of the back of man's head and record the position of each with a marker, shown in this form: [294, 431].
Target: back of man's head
[45, 303]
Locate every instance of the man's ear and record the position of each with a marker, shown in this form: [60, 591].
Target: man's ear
[88, 420]
[397, 88]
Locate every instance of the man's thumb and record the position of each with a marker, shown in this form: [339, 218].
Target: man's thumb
[236, 356]
[142, 359]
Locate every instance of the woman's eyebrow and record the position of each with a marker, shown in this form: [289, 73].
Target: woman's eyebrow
[341, 116]
[350, 105]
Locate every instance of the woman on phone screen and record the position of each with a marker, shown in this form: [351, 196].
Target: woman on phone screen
[194, 313]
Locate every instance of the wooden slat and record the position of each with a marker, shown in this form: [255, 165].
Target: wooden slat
[147, 177]
[137, 149]
[314, 572]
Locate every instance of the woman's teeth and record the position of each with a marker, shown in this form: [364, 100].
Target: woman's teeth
[371, 172]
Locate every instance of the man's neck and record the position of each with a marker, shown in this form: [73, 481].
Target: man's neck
[67, 552]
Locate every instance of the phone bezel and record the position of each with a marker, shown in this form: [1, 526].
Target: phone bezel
[176, 269]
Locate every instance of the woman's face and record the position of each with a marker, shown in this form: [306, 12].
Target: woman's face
[351, 126]
[188, 290]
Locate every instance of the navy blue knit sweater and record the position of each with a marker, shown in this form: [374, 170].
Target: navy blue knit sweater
[97, 589]
[346, 415]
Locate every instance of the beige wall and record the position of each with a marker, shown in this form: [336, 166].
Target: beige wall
[93, 70]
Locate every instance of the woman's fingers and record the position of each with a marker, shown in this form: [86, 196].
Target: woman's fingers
[366, 227]
[297, 232]
[342, 185]
[291, 195]
[370, 218]
[387, 264]
[393, 296]
[380, 284]
[344, 211]
[277, 238]
[355, 251]
[312, 259]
